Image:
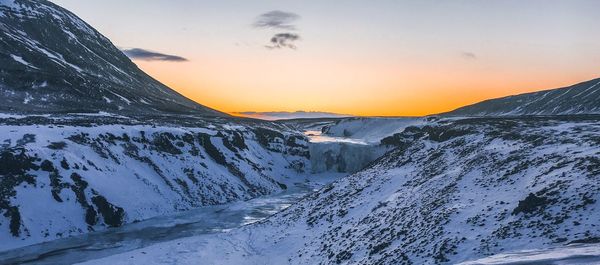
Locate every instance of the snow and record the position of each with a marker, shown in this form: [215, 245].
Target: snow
[579, 98]
[39, 47]
[11, 116]
[58, 58]
[27, 98]
[22, 61]
[200, 221]
[437, 201]
[127, 101]
[70, 34]
[318, 137]
[42, 85]
[370, 130]
[161, 178]
[342, 156]
[570, 254]
[9, 4]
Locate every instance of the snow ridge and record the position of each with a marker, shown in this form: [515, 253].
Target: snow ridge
[74, 179]
[43, 42]
[582, 98]
[451, 192]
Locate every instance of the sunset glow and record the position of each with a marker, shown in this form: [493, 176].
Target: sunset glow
[393, 58]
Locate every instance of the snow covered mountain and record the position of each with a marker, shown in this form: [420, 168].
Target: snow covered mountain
[51, 61]
[66, 177]
[582, 98]
[89, 141]
[444, 191]
[452, 191]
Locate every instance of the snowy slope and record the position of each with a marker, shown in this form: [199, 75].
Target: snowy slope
[348, 144]
[52, 61]
[69, 177]
[451, 192]
[573, 254]
[582, 98]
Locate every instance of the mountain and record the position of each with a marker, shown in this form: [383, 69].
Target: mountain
[114, 148]
[60, 178]
[582, 98]
[51, 61]
[452, 191]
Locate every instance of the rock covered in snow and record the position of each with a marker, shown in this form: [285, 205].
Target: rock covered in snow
[51, 61]
[72, 177]
[452, 191]
[582, 98]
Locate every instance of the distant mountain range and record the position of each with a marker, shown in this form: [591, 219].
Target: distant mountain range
[285, 115]
[52, 61]
[582, 98]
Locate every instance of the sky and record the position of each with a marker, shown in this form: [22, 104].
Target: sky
[371, 58]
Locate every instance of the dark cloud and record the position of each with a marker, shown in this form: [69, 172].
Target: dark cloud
[146, 55]
[277, 20]
[468, 55]
[283, 40]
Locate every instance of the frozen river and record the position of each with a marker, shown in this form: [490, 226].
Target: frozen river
[205, 220]
[318, 137]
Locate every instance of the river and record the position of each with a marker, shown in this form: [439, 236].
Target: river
[204, 220]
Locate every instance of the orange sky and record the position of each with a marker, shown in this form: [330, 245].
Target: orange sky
[361, 90]
[382, 58]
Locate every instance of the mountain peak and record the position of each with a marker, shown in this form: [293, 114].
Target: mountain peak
[581, 98]
[52, 61]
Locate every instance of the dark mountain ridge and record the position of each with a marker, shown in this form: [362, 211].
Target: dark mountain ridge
[51, 61]
[581, 98]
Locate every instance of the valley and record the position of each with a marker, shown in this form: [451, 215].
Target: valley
[297, 167]
[100, 163]
[200, 221]
[447, 194]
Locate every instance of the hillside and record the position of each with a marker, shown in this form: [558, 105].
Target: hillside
[53, 62]
[581, 98]
[451, 192]
[64, 178]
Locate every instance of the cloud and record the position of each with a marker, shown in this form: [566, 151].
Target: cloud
[146, 55]
[283, 40]
[468, 55]
[277, 20]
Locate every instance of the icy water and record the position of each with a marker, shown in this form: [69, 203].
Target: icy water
[205, 220]
[318, 137]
